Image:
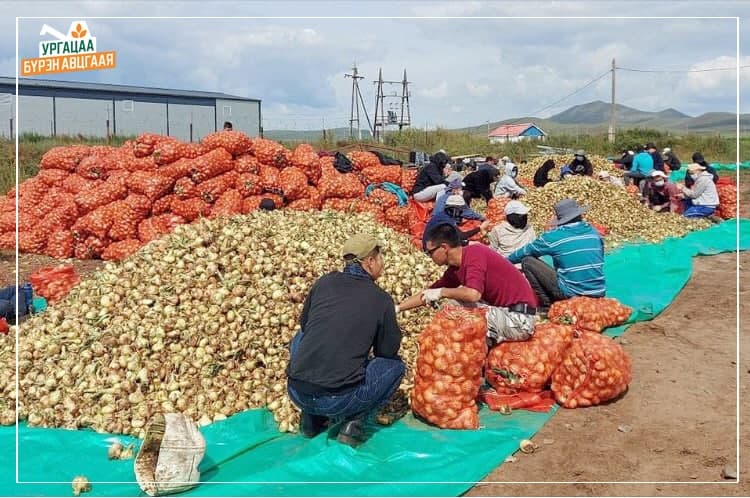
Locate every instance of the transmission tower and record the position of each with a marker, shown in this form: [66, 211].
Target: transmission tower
[382, 120]
[356, 100]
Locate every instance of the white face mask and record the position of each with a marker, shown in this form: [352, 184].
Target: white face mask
[694, 176]
[659, 183]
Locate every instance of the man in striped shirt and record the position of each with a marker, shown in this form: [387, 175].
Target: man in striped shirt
[577, 253]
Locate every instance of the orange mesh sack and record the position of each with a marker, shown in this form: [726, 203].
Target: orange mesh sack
[342, 186]
[156, 226]
[253, 202]
[169, 151]
[149, 184]
[408, 179]
[248, 184]
[102, 194]
[496, 209]
[592, 314]
[345, 205]
[270, 153]
[177, 169]
[164, 204]
[362, 159]
[380, 174]
[306, 160]
[314, 195]
[397, 217]
[54, 282]
[65, 157]
[594, 369]
[383, 198]
[211, 164]
[293, 183]
[75, 184]
[210, 190]
[60, 244]
[228, 204]
[246, 163]
[727, 201]
[117, 251]
[53, 177]
[34, 240]
[190, 209]
[234, 142]
[449, 368]
[97, 222]
[184, 187]
[526, 366]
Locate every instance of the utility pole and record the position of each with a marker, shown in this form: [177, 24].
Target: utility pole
[354, 111]
[404, 104]
[612, 109]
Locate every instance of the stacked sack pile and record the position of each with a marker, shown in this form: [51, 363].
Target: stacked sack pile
[106, 202]
[567, 354]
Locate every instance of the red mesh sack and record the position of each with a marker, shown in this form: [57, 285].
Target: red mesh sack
[383, 198]
[249, 184]
[149, 184]
[128, 162]
[526, 366]
[727, 201]
[228, 204]
[163, 205]
[184, 187]
[364, 206]
[342, 186]
[302, 205]
[156, 226]
[408, 179]
[125, 220]
[8, 241]
[380, 174]
[177, 169]
[91, 247]
[53, 177]
[326, 166]
[168, 151]
[65, 157]
[269, 178]
[313, 194]
[54, 282]
[592, 314]
[345, 205]
[190, 209]
[31, 192]
[234, 142]
[145, 143]
[193, 150]
[362, 159]
[117, 251]
[449, 368]
[594, 369]
[96, 166]
[50, 201]
[60, 244]
[270, 153]
[8, 222]
[397, 217]
[211, 189]
[26, 221]
[306, 160]
[75, 184]
[293, 183]
[97, 222]
[211, 164]
[246, 163]
[496, 209]
[61, 217]
[33, 241]
[102, 194]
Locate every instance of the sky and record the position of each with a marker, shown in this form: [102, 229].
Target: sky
[468, 62]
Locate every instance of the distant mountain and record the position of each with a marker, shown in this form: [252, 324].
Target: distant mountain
[311, 135]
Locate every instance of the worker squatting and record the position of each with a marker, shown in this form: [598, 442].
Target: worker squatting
[65, 63]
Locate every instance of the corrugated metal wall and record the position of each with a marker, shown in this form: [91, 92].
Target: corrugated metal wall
[245, 116]
[7, 104]
[133, 117]
[181, 116]
[35, 115]
[74, 116]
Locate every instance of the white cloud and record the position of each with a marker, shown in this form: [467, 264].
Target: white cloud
[713, 80]
[437, 92]
[457, 108]
[477, 89]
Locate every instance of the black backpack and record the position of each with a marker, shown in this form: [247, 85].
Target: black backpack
[386, 160]
[342, 163]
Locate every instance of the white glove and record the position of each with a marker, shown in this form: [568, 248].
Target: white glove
[657, 208]
[397, 309]
[431, 295]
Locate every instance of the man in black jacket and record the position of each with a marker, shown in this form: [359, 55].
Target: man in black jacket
[431, 179]
[658, 161]
[331, 376]
[477, 184]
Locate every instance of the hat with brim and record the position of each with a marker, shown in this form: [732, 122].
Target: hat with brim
[568, 209]
[455, 183]
[360, 246]
[658, 174]
[516, 207]
[455, 201]
[696, 167]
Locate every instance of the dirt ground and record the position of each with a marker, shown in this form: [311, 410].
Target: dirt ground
[680, 408]
[676, 423]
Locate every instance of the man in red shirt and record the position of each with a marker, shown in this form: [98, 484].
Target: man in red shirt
[479, 276]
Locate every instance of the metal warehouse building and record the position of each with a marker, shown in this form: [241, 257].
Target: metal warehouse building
[55, 108]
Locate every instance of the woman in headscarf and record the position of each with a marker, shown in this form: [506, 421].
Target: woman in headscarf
[508, 186]
[541, 177]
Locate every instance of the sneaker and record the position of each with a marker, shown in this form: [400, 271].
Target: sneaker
[312, 425]
[352, 433]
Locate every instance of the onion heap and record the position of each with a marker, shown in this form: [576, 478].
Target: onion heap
[526, 171]
[8, 377]
[199, 322]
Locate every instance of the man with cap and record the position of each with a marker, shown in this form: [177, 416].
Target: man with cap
[508, 186]
[477, 184]
[662, 195]
[702, 199]
[643, 165]
[605, 177]
[580, 165]
[577, 252]
[477, 276]
[344, 361]
[452, 210]
[655, 156]
[699, 159]
[671, 160]
[513, 233]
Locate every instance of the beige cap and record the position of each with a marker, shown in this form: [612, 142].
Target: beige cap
[696, 167]
[604, 174]
[655, 173]
[360, 245]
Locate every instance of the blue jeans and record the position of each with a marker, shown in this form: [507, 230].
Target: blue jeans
[693, 211]
[382, 378]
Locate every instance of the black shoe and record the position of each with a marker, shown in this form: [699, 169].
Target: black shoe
[312, 425]
[352, 433]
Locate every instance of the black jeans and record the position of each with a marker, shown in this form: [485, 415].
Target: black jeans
[543, 279]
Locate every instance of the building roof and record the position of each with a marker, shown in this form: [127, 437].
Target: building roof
[512, 130]
[103, 87]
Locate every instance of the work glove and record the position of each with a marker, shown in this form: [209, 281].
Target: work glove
[430, 296]
[657, 208]
[397, 309]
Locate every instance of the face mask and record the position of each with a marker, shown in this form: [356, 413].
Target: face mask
[659, 183]
[694, 176]
[579, 158]
[514, 173]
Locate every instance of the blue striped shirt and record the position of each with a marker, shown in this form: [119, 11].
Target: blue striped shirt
[577, 253]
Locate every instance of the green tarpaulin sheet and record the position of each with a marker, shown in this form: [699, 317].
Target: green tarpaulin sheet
[246, 455]
[679, 175]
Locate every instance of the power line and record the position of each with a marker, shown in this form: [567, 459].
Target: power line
[679, 70]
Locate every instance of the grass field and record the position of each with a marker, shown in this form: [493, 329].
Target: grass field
[714, 148]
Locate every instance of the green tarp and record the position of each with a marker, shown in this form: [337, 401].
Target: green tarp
[407, 458]
[679, 175]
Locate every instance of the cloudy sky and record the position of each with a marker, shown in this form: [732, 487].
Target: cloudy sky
[468, 62]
